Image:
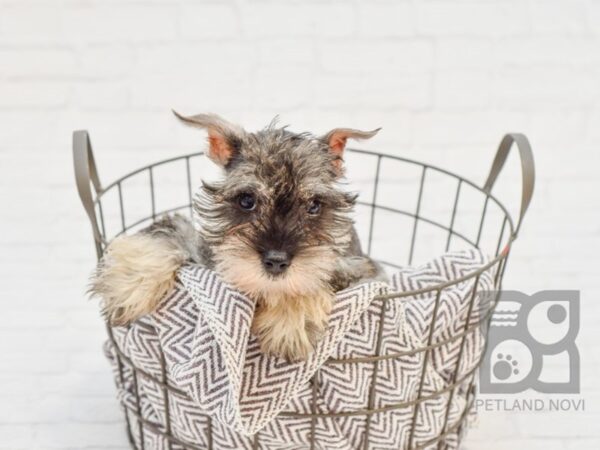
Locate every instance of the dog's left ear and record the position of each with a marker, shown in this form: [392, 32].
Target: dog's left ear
[224, 138]
[336, 140]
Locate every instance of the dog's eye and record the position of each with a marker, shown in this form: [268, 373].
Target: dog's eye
[314, 207]
[247, 202]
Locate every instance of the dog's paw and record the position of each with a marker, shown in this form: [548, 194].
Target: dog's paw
[294, 346]
[291, 327]
[134, 275]
[353, 270]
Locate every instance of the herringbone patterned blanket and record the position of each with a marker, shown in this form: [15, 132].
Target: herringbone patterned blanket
[230, 391]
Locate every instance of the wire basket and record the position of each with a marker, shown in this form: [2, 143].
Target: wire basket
[481, 222]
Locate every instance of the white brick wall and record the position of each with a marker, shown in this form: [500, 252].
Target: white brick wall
[445, 78]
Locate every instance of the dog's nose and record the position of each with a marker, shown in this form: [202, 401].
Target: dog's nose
[275, 261]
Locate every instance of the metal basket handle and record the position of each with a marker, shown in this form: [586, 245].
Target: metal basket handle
[86, 176]
[527, 169]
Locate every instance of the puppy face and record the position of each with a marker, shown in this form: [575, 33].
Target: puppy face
[278, 221]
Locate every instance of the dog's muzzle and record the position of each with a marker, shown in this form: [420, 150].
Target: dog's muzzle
[275, 262]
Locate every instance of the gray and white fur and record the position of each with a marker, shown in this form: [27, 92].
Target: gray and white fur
[277, 226]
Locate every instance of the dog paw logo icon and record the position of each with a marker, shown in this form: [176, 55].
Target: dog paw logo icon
[531, 344]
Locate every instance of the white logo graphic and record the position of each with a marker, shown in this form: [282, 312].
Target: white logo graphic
[532, 344]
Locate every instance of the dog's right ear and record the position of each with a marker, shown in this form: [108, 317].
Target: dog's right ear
[336, 140]
[224, 138]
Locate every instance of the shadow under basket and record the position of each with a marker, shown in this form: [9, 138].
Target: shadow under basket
[407, 212]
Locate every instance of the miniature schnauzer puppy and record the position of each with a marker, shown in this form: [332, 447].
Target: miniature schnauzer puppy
[277, 227]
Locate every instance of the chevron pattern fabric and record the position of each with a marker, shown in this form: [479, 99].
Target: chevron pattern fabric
[232, 395]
